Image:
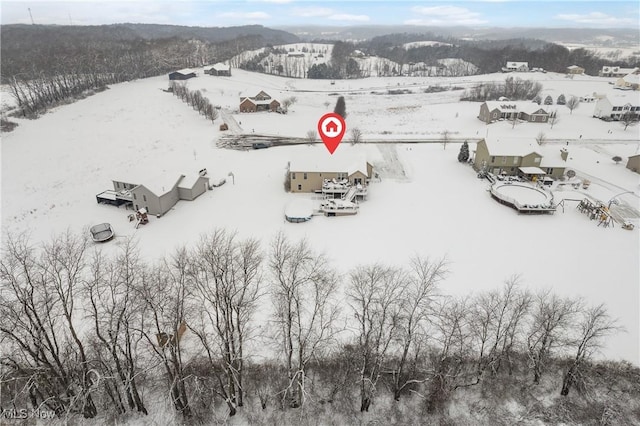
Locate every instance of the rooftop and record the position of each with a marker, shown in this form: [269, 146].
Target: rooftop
[332, 164]
[518, 148]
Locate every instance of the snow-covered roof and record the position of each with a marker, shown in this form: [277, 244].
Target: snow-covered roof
[518, 148]
[551, 161]
[189, 181]
[522, 106]
[221, 67]
[161, 184]
[185, 71]
[632, 78]
[532, 170]
[517, 64]
[624, 98]
[333, 164]
[574, 67]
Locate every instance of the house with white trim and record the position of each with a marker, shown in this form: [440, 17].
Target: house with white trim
[614, 71]
[491, 111]
[612, 107]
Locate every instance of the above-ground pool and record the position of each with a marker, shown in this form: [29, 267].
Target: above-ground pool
[523, 197]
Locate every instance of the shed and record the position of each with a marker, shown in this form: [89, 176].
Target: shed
[183, 74]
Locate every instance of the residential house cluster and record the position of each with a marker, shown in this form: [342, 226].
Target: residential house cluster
[260, 102]
[491, 111]
[609, 71]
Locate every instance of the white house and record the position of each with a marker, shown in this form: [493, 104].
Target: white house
[611, 107]
[516, 66]
[630, 81]
[608, 71]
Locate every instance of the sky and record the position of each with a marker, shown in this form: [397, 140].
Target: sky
[279, 13]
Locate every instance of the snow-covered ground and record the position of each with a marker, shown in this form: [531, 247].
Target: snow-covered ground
[426, 203]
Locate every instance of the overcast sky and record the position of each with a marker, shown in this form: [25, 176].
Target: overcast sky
[213, 13]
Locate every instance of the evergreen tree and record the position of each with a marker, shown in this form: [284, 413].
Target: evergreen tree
[341, 108]
[463, 156]
[548, 100]
[561, 100]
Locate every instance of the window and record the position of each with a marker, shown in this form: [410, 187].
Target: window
[493, 159]
[305, 176]
[299, 187]
[293, 175]
[536, 160]
[534, 118]
[495, 115]
[504, 160]
[515, 160]
[144, 197]
[117, 185]
[341, 176]
[134, 197]
[549, 170]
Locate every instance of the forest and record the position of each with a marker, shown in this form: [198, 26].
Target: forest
[272, 332]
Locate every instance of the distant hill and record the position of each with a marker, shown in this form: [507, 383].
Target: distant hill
[613, 36]
[26, 35]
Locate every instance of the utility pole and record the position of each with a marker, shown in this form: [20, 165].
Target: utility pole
[29, 9]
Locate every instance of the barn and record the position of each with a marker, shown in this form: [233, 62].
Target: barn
[183, 74]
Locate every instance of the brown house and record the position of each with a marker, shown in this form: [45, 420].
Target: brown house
[310, 176]
[515, 158]
[633, 163]
[261, 102]
[491, 111]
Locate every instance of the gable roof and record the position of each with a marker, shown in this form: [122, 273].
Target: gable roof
[188, 182]
[221, 67]
[337, 163]
[517, 64]
[185, 71]
[521, 106]
[623, 98]
[512, 148]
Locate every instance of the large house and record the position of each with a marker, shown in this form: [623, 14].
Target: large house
[612, 107]
[183, 74]
[159, 195]
[261, 102]
[309, 176]
[516, 67]
[522, 158]
[219, 69]
[630, 81]
[608, 71]
[491, 111]
[633, 163]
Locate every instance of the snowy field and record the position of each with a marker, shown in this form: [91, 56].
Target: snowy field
[426, 202]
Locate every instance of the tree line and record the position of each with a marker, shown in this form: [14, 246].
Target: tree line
[195, 99]
[53, 70]
[86, 333]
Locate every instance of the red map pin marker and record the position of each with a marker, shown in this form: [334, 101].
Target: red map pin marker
[331, 128]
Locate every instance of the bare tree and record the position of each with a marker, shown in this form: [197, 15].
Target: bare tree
[40, 319]
[541, 138]
[445, 138]
[594, 326]
[226, 274]
[376, 294]
[551, 317]
[302, 285]
[163, 321]
[113, 310]
[573, 103]
[553, 118]
[312, 136]
[628, 119]
[415, 309]
[356, 135]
